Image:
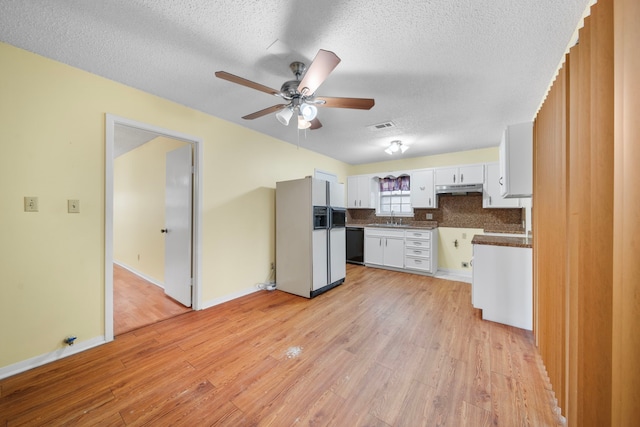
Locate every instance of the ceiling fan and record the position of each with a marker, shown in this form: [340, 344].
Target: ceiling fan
[300, 94]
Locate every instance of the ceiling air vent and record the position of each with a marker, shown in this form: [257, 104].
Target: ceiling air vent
[382, 126]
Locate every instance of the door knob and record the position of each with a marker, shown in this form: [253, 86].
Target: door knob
[164, 230]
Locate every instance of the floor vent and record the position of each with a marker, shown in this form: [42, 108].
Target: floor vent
[382, 126]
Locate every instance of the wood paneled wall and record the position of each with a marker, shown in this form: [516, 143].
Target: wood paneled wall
[626, 219]
[586, 223]
[549, 230]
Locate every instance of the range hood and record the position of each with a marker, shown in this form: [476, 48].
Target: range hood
[459, 189]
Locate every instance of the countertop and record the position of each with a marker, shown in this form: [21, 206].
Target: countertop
[504, 228]
[515, 242]
[397, 227]
[421, 225]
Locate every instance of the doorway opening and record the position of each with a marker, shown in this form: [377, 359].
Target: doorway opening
[152, 250]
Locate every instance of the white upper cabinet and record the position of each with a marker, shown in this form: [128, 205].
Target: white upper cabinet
[491, 197]
[336, 194]
[516, 161]
[360, 192]
[472, 174]
[318, 192]
[423, 189]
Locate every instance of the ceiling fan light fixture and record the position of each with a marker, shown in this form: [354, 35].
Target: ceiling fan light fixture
[308, 111]
[396, 146]
[284, 115]
[303, 124]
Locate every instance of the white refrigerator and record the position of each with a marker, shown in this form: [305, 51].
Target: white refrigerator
[310, 236]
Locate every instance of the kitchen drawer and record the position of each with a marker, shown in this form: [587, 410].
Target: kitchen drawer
[418, 252]
[414, 234]
[417, 263]
[413, 243]
[383, 232]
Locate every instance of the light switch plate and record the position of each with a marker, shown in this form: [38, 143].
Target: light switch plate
[73, 206]
[31, 204]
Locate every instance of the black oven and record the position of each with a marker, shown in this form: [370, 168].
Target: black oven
[320, 217]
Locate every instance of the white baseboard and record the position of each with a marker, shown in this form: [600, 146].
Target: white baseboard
[140, 274]
[456, 275]
[43, 359]
[227, 298]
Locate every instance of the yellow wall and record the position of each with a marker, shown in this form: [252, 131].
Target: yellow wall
[52, 133]
[450, 257]
[139, 206]
[483, 155]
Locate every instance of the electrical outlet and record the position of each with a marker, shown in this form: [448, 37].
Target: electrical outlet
[465, 264]
[464, 235]
[31, 204]
[73, 206]
[429, 216]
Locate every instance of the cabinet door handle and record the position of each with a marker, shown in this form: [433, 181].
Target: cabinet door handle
[380, 242]
[454, 178]
[489, 200]
[429, 201]
[385, 242]
[500, 181]
[461, 177]
[422, 188]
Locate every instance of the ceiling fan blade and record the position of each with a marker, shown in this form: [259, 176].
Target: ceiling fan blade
[315, 124]
[264, 112]
[322, 65]
[248, 83]
[333, 102]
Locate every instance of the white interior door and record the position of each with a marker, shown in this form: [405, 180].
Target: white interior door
[178, 207]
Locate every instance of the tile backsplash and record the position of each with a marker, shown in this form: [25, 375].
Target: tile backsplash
[453, 211]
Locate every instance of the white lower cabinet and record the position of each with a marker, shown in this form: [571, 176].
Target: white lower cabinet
[502, 284]
[413, 250]
[384, 247]
[419, 251]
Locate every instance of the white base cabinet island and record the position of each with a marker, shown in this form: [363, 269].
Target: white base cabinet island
[502, 280]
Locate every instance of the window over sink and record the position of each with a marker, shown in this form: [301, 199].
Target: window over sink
[394, 196]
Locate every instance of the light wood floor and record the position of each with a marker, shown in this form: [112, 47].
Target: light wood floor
[137, 302]
[383, 349]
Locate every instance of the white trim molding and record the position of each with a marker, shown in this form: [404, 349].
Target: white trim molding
[230, 297]
[140, 274]
[43, 359]
[197, 143]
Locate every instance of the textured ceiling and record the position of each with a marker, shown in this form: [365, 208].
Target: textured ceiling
[449, 74]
